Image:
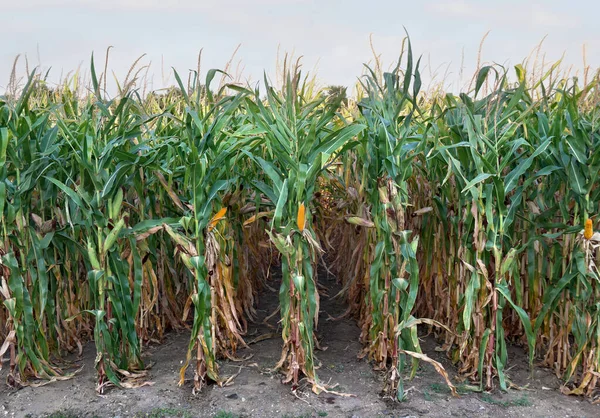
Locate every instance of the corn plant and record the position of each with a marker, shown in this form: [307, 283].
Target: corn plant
[300, 141]
[204, 172]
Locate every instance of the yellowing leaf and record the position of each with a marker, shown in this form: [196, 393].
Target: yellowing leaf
[215, 219]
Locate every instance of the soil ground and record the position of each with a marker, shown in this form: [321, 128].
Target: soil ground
[257, 391]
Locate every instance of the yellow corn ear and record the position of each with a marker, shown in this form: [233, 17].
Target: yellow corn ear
[301, 220]
[589, 229]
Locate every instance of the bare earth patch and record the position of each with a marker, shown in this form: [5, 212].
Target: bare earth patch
[257, 391]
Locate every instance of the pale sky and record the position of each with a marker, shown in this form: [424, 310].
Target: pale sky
[332, 34]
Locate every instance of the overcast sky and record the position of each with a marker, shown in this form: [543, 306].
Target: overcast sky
[331, 34]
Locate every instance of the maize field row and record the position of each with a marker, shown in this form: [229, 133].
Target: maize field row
[468, 216]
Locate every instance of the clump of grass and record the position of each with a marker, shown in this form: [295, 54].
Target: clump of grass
[438, 388]
[305, 415]
[67, 413]
[443, 389]
[166, 412]
[522, 401]
[427, 396]
[225, 414]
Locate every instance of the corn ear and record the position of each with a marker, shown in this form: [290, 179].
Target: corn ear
[301, 218]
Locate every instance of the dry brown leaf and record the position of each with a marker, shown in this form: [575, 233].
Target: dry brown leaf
[438, 367]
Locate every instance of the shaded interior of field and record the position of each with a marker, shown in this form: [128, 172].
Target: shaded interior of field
[256, 389]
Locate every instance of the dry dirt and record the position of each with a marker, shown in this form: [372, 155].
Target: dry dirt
[257, 392]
